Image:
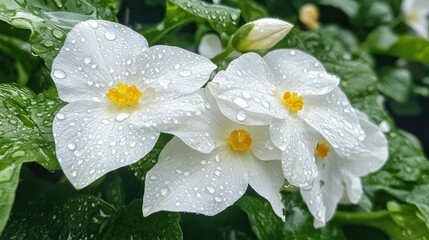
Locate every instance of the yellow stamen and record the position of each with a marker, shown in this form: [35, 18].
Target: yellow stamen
[123, 95]
[240, 140]
[293, 101]
[322, 149]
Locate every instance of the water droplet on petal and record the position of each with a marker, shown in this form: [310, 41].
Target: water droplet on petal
[93, 23]
[110, 36]
[292, 53]
[241, 116]
[105, 121]
[59, 74]
[185, 73]
[122, 116]
[71, 146]
[87, 60]
[210, 189]
[61, 116]
[241, 102]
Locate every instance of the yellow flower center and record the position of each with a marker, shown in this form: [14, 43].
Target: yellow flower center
[293, 101]
[322, 149]
[124, 95]
[240, 140]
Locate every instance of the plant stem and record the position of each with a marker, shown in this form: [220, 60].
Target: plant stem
[228, 50]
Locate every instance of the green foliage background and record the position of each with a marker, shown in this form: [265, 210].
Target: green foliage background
[360, 41]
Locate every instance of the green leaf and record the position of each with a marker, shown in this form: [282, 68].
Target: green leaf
[400, 221]
[26, 126]
[251, 10]
[222, 19]
[49, 21]
[350, 7]
[25, 136]
[408, 47]
[299, 222]
[381, 39]
[130, 224]
[372, 13]
[9, 179]
[395, 83]
[88, 217]
[17, 54]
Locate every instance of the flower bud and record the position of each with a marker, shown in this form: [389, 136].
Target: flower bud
[261, 34]
[309, 16]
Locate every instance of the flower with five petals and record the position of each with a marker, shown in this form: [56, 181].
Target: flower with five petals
[120, 95]
[292, 93]
[209, 165]
[340, 176]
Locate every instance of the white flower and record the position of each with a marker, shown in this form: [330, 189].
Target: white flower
[416, 15]
[109, 77]
[261, 34]
[210, 164]
[292, 92]
[210, 45]
[339, 175]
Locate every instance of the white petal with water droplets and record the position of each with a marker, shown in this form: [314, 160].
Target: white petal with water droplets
[247, 87]
[262, 146]
[333, 117]
[207, 131]
[213, 181]
[90, 141]
[161, 114]
[174, 70]
[96, 59]
[300, 72]
[371, 153]
[297, 145]
[266, 178]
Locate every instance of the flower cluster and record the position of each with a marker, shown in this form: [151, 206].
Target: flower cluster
[261, 122]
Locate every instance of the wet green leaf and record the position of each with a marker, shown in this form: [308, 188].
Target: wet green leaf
[49, 21]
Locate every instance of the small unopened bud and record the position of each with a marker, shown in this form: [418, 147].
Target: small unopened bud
[261, 34]
[309, 16]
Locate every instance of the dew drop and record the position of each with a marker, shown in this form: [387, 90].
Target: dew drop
[87, 60]
[241, 116]
[105, 121]
[164, 191]
[241, 102]
[210, 189]
[218, 199]
[292, 53]
[122, 116]
[71, 146]
[110, 36]
[59, 74]
[61, 116]
[93, 23]
[185, 73]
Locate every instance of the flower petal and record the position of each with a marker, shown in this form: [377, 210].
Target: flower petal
[291, 135]
[266, 178]
[247, 86]
[207, 131]
[300, 72]
[322, 199]
[162, 114]
[352, 186]
[174, 70]
[185, 180]
[94, 58]
[91, 141]
[262, 146]
[333, 117]
[210, 45]
[372, 152]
